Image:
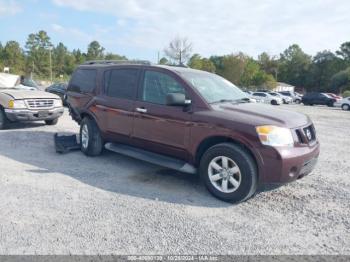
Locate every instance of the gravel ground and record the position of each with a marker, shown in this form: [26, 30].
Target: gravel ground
[71, 204]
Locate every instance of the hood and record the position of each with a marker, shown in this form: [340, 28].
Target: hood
[27, 94]
[260, 114]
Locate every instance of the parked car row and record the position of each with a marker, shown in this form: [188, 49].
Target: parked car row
[274, 98]
[327, 99]
[289, 97]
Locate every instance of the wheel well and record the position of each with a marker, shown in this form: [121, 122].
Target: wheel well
[85, 114]
[212, 141]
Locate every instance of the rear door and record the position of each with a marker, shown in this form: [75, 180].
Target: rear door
[116, 101]
[157, 126]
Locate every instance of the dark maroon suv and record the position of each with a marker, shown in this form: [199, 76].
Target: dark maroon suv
[191, 121]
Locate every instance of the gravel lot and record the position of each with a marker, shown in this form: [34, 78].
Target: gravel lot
[71, 204]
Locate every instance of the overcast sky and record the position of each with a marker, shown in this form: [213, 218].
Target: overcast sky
[141, 28]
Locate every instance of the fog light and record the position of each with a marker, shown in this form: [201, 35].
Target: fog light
[293, 171]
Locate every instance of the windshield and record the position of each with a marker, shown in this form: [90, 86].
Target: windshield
[214, 88]
[29, 82]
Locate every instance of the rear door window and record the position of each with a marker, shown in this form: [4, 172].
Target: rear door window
[83, 80]
[121, 83]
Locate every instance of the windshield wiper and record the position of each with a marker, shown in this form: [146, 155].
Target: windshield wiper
[222, 101]
[245, 100]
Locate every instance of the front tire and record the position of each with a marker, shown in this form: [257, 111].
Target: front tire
[274, 103]
[229, 172]
[345, 107]
[297, 101]
[3, 119]
[90, 138]
[51, 122]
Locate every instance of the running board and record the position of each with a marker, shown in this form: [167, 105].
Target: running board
[154, 158]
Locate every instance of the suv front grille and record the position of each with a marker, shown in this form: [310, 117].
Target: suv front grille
[39, 103]
[310, 133]
[306, 135]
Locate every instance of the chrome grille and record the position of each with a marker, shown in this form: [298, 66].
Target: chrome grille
[306, 135]
[39, 103]
[310, 133]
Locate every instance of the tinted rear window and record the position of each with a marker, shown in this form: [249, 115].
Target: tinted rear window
[121, 83]
[84, 80]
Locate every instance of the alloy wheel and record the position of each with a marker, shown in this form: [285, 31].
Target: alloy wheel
[85, 136]
[224, 174]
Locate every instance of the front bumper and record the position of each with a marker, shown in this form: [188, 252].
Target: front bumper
[284, 165]
[33, 115]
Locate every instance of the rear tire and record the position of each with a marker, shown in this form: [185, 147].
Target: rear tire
[51, 122]
[3, 119]
[298, 101]
[90, 138]
[217, 175]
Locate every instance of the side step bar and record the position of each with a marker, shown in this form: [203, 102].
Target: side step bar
[154, 158]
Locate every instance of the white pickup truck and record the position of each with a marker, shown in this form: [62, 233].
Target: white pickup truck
[19, 102]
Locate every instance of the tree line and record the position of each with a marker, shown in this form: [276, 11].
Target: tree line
[39, 56]
[326, 71]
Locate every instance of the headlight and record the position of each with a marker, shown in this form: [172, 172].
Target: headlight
[275, 136]
[57, 103]
[17, 104]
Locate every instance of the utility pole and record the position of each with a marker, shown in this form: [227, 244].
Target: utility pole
[31, 73]
[276, 74]
[50, 64]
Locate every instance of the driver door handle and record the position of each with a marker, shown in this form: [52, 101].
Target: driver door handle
[141, 110]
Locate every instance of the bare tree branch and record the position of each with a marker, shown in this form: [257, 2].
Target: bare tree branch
[179, 50]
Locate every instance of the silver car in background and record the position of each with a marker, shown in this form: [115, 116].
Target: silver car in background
[285, 99]
[266, 98]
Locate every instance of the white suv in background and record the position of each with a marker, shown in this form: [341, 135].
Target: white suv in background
[262, 97]
[343, 103]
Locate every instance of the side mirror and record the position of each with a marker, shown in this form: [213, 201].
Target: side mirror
[177, 99]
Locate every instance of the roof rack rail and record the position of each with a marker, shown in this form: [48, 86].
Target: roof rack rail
[117, 62]
[178, 65]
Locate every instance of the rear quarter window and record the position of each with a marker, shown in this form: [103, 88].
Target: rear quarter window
[83, 80]
[121, 83]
